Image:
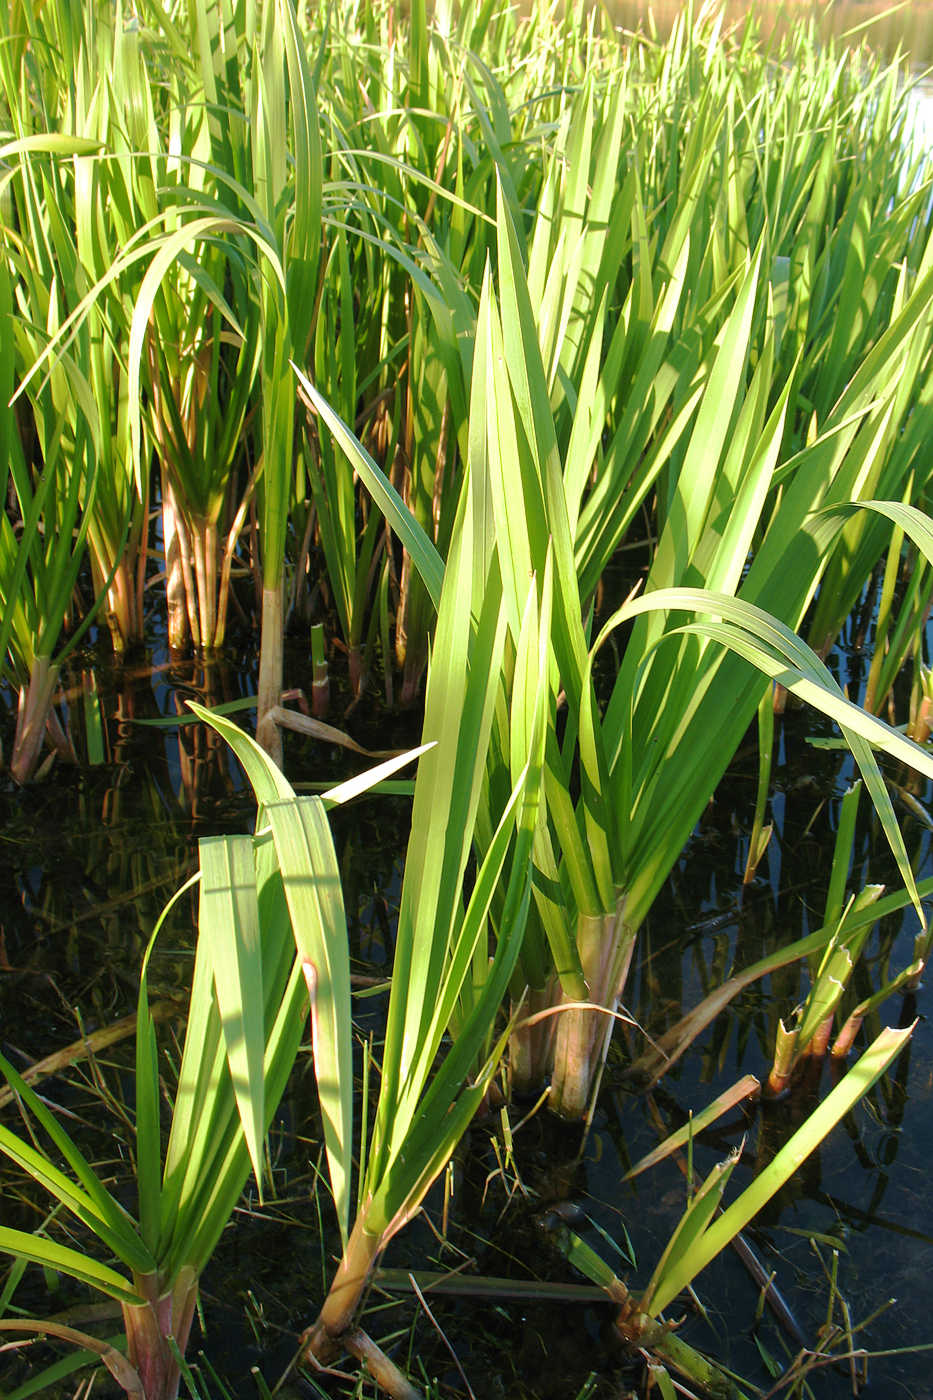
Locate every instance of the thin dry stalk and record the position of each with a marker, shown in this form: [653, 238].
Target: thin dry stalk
[381, 1367]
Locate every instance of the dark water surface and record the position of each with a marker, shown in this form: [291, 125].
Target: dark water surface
[87, 860]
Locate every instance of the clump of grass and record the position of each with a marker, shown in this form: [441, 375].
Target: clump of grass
[467, 306]
[639, 177]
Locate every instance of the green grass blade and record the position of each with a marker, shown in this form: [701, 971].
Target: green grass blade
[306, 225]
[305, 850]
[689, 1231]
[228, 923]
[90, 1201]
[842, 854]
[148, 1136]
[805, 1140]
[698, 1122]
[413, 536]
[267, 780]
[910, 519]
[49, 1255]
[354, 787]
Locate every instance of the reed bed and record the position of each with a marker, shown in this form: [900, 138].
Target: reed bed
[418, 333]
[171, 242]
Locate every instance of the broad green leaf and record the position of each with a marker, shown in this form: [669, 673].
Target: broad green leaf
[311, 876]
[909, 518]
[37, 1250]
[267, 780]
[228, 926]
[354, 787]
[55, 143]
[689, 1231]
[770, 646]
[742, 1089]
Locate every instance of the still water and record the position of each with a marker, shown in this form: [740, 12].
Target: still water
[89, 860]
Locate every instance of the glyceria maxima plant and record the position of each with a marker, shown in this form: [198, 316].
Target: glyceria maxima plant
[442, 973]
[613, 843]
[272, 932]
[63, 225]
[289, 191]
[51, 454]
[603, 854]
[708, 1225]
[184, 1202]
[270, 922]
[212, 291]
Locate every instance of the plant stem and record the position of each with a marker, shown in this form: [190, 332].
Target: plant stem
[270, 672]
[174, 574]
[35, 703]
[530, 1047]
[149, 1327]
[381, 1367]
[580, 1039]
[324, 1339]
[204, 541]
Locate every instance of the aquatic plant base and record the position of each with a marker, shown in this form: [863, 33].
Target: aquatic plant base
[605, 945]
[334, 1332]
[34, 717]
[269, 688]
[157, 1332]
[531, 1043]
[324, 1338]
